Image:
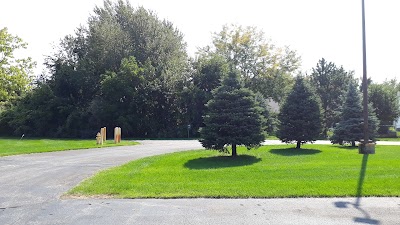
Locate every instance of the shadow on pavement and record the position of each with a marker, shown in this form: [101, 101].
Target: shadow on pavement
[357, 205]
[294, 151]
[221, 162]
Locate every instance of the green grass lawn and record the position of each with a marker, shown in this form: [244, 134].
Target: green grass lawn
[267, 172]
[10, 146]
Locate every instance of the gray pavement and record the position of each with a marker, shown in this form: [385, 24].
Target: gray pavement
[31, 186]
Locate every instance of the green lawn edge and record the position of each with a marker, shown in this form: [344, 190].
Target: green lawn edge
[274, 171]
[13, 146]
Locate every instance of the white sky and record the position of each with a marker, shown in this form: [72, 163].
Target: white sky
[314, 28]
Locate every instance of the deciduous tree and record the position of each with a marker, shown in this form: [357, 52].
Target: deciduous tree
[263, 67]
[385, 101]
[14, 73]
[207, 74]
[91, 68]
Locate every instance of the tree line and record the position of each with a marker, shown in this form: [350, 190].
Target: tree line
[128, 68]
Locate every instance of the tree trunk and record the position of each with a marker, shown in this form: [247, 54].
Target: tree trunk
[298, 144]
[353, 144]
[234, 153]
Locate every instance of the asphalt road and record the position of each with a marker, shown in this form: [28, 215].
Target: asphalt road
[31, 186]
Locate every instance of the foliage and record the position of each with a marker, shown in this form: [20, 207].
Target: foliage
[206, 76]
[14, 73]
[270, 121]
[351, 126]
[300, 115]
[385, 101]
[35, 110]
[233, 117]
[331, 83]
[125, 68]
[263, 67]
[269, 172]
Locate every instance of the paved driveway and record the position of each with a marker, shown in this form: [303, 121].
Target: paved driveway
[31, 186]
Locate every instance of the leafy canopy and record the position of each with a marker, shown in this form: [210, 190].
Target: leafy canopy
[125, 67]
[385, 101]
[14, 73]
[263, 67]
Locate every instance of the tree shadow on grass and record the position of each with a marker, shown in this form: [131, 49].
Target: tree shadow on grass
[221, 162]
[294, 151]
[347, 147]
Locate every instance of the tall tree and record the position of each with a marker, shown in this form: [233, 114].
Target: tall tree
[331, 84]
[263, 67]
[88, 69]
[120, 102]
[233, 117]
[385, 101]
[300, 115]
[14, 73]
[207, 75]
[351, 126]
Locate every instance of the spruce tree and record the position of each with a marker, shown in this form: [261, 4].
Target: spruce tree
[300, 115]
[351, 126]
[232, 118]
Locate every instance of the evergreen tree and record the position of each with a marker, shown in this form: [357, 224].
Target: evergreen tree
[331, 83]
[233, 117]
[351, 127]
[300, 115]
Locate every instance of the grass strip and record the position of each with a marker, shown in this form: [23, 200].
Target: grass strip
[266, 172]
[10, 146]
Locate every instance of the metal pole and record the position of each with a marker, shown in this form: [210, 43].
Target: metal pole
[365, 80]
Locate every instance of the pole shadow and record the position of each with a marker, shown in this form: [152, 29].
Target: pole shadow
[357, 205]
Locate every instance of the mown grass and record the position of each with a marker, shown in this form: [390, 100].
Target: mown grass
[267, 172]
[10, 146]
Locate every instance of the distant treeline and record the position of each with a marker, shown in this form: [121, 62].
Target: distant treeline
[128, 68]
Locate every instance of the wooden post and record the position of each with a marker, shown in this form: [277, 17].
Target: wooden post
[119, 134]
[115, 134]
[105, 134]
[102, 134]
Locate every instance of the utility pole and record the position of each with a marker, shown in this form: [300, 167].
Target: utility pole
[365, 80]
[365, 147]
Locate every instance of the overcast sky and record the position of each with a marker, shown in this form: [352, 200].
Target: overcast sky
[314, 28]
